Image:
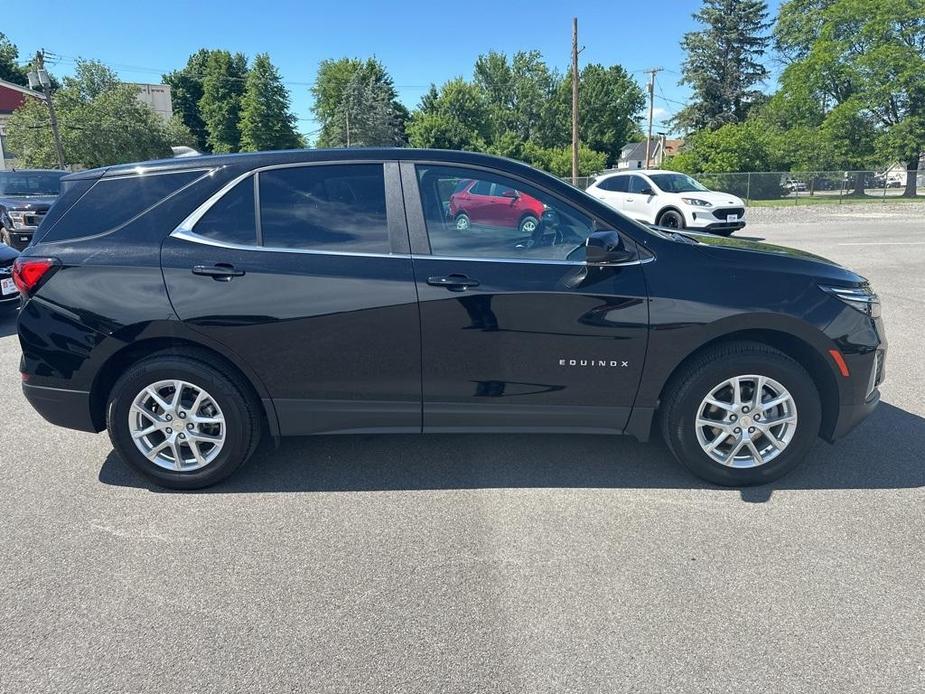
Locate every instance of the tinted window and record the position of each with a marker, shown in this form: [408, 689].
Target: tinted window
[616, 184]
[481, 188]
[531, 225]
[637, 184]
[231, 219]
[111, 203]
[30, 182]
[336, 208]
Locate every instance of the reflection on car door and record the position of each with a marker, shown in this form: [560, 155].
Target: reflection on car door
[515, 341]
[321, 304]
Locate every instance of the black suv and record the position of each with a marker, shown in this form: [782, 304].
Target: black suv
[193, 306]
[25, 196]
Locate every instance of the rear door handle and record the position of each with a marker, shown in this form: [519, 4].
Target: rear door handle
[455, 283]
[221, 272]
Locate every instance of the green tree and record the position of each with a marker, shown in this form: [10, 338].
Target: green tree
[723, 64]
[10, 68]
[456, 118]
[186, 93]
[610, 104]
[864, 60]
[339, 90]
[222, 88]
[266, 121]
[102, 122]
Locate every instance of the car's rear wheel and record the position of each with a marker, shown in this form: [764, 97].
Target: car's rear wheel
[741, 413]
[671, 219]
[180, 422]
[462, 222]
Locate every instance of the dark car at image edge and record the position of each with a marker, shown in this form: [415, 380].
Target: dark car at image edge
[194, 306]
[25, 198]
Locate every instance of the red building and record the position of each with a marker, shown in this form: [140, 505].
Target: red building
[12, 96]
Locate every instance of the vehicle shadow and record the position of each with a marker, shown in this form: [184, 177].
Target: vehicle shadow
[411, 462]
[7, 321]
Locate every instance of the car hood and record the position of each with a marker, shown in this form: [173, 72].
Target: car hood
[769, 255]
[27, 202]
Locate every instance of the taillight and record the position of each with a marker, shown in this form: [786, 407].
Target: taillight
[29, 273]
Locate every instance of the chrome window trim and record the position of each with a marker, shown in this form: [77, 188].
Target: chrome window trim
[185, 231]
[141, 172]
[538, 261]
[205, 241]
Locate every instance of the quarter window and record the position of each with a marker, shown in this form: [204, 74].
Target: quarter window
[326, 207]
[526, 223]
[231, 218]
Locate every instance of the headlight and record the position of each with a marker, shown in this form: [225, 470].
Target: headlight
[861, 298]
[18, 217]
[696, 202]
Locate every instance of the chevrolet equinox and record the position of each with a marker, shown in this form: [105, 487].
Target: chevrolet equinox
[192, 306]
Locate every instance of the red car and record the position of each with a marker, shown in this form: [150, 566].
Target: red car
[495, 205]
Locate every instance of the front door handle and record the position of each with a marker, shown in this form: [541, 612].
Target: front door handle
[455, 283]
[220, 272]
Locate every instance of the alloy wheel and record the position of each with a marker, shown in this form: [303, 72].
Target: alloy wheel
[177, 425]
[746, 421]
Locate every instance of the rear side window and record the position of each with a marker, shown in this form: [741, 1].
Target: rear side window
[113, 202]
[231, 219]
[615, 184]
[338, 207]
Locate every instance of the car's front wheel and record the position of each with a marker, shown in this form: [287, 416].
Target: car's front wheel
[462, 222]
[741, 413]
[671, 219]
[180, 422]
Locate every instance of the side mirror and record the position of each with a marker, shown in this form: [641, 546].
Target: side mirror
[510, 194]
[606, 248]
[647, 190]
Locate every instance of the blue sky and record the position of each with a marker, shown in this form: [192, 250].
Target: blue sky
[419, 42]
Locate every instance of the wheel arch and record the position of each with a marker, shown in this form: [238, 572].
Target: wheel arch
[795, 347]
[116, 363]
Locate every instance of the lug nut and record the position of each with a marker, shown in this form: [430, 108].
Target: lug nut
[751, 430]
[183, 415]
[169, 418]
[745, 409]
[189, 426]
[169, 430]
[182, 436]
[756, 417]
[732, 418]
[737, 431]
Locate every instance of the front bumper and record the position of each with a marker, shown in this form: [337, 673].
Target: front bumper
[704, 220]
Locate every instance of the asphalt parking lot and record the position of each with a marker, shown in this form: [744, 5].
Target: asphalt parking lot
[490, 564]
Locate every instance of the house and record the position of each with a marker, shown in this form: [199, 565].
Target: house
[895, 176]
[633, 155]
[12, 96]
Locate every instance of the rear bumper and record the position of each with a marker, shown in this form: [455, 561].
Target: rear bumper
[64, 408]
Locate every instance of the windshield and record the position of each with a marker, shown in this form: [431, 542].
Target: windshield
[30, 182]
[676, 183]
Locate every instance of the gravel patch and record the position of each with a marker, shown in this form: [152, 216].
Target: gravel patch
[909, 212]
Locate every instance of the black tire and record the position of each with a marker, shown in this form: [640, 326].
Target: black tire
[243, 422]
[688, 387]
[671, 219]
[528, 225]
[462, 222]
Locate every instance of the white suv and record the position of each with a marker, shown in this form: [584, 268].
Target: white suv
[669, 199]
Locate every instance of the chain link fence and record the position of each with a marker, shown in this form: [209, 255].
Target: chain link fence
[804, 187]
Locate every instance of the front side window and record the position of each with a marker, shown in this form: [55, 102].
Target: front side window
[518, 221]
[231, 218]
[338, 207]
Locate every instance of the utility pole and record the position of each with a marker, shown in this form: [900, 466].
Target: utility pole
[574, 101]
[652, 72]
[38, 78]
[347, 116]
